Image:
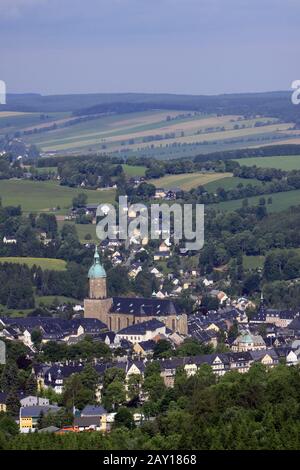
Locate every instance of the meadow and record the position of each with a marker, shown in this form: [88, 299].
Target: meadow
[280, 201]
[43, 263]
[228, 183]
[187, 181]
[134, 170]
[45, 196]
[287, 162]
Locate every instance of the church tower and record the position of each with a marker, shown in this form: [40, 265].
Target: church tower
[98, 304]
[97, 279]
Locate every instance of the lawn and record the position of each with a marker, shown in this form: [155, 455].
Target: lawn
[280, 201]
[187, 181]
[287, 162]
[134, 170]
[44, 196]
[44, 263]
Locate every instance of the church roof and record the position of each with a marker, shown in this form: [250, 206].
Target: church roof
[96, 271]
[144, 307]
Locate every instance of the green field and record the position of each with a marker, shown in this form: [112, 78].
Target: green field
[134, 170]
[288, 162]
[253, 262]
[44, 263]
[37, 196]
[187, 181]
[228, 183]
[281, 201]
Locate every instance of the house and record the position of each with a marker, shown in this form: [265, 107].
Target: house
[173, 193]
[156, 273]
[160, 193]
[280, 318]
[207, 282]
[268, 358]
[142, 331]
[9, 240]
[92, 418]
[240, 361]
[161, 255]
[52, 329]
[30, 415]
[31, 400]
[144, 348]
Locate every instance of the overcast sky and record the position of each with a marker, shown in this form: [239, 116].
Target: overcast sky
[176, 46]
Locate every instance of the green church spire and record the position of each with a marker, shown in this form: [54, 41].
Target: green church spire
[96, 271]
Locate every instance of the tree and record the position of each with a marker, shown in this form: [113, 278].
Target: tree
[162, 349]
[114, 395]
[13, 403]
[80, 200]
[31, 385]
[124, 418]
[134, 386]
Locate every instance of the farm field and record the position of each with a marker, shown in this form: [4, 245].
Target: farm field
[288, 162]
[280, 201]
[135, 140]
[44, 263]
[187, 181]
[11, 122]
[228, 183]
[157, 129]
[37, 196]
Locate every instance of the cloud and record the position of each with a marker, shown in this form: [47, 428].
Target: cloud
[14, 8]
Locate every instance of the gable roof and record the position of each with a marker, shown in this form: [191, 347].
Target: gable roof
[142, 328]
[90, 410]
[145, 307]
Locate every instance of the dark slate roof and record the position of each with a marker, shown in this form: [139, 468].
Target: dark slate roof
[55, 328]
[36, 411]
[259, 316]
[90, 410]
[258, 355]
[87, 421]
[144, 307]
[147, 346]
[295, 324]
[142, 328]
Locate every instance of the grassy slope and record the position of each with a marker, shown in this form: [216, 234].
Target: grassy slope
[281, 201]
[289, 162]
[44, 263]
[36, 196]
[187, 181]
[230, 183]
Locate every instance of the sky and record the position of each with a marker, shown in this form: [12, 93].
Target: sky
[173, 46]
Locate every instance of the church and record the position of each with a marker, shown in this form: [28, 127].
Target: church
[120, 312]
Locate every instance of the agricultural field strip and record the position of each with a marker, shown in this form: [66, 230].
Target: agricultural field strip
[223, 135]
[188, 181]
[191, 125]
